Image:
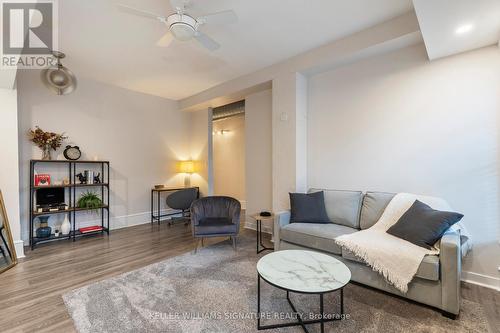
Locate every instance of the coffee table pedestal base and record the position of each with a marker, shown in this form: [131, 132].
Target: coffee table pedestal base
[299, 321]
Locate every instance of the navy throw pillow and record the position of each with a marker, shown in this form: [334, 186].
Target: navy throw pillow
[308, 208]
[422, 225]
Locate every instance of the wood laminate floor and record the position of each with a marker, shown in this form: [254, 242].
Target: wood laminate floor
[30, 293]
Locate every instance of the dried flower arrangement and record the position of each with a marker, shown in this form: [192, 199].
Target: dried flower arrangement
[46, 140]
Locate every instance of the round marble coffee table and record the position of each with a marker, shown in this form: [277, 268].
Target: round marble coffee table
[304, 272]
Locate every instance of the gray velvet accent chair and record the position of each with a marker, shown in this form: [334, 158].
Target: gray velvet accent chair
[216, 216]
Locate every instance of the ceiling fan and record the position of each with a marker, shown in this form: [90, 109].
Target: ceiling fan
[184, 27]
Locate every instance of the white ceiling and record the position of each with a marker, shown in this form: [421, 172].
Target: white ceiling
[108, 45]
[440, 19]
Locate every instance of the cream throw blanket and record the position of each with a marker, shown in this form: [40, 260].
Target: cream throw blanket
[396, 259]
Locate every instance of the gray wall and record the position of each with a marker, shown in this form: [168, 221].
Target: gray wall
[143, 136]
[400, 123]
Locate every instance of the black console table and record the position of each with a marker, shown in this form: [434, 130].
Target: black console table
[157, 192]
[72, 209]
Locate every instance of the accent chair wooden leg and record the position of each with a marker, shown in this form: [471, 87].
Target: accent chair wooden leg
[196, 245]
[234, 242]
[202, 242]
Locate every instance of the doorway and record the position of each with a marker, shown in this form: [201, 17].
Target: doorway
[228, 131]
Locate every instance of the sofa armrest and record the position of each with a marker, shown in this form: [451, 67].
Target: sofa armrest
[451, 269]
[281, 219]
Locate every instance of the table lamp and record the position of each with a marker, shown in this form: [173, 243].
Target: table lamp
[186, 167]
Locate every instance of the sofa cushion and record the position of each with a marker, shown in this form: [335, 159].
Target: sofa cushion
[308, 208]
[315, 236]
[428, 269]
[374, 204]
[342, 207]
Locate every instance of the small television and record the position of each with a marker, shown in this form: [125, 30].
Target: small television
[50, 196]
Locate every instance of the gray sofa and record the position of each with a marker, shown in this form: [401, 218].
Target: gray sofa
[437, 282]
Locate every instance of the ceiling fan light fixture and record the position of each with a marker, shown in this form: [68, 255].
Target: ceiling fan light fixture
[182, 31]
[183, 27]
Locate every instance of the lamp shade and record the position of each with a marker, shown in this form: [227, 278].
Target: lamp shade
[186, 167]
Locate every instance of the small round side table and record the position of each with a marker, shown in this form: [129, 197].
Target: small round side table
[258, 218]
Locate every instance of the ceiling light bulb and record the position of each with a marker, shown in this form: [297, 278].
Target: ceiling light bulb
[464, 29]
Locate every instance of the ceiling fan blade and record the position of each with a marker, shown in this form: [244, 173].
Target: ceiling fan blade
[224, 17]
[206, 41]
[140, 12]
[166, 40]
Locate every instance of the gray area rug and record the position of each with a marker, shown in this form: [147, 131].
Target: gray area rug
[215, 291]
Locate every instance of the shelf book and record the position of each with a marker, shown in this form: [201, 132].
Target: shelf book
[70, 191]
[93, 228]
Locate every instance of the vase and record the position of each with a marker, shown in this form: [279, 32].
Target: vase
[44, 230]
[65, 226]
[44, 220]
[46, 153]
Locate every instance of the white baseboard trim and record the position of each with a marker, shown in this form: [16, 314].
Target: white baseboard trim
[116, 222]
[124, 221]
[119, 222]
[481, 280]
[19, 247]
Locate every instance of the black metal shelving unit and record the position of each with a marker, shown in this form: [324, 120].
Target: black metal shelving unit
[72, 209]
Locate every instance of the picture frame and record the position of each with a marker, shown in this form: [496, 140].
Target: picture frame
[42, 179]
[8, 257]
